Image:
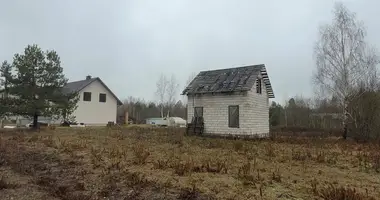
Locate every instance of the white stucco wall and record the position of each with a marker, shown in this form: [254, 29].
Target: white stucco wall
[253, 112]
[94, 112]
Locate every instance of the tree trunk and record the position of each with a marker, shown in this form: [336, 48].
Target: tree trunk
[345, 119]
[162, 111]
[64, 116]
[35, 120]
[286, 118]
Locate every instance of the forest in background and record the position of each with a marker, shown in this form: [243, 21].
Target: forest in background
[297, 111]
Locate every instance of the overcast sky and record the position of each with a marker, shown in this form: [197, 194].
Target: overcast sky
[128, 44]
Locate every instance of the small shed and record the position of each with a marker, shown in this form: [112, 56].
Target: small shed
[232, 101]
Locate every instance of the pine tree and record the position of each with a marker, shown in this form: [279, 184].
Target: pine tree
[38, 83]
[65, 106]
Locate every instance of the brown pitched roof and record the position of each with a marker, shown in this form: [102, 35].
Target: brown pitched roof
[229, 80]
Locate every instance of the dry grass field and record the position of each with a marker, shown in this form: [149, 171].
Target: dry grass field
[148, 163]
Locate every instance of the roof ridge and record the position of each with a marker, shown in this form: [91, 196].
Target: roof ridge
[82, 80]
[230, 68]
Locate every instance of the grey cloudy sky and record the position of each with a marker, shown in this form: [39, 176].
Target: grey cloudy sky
[130, 43]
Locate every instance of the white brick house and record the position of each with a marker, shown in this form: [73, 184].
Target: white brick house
[232, 101]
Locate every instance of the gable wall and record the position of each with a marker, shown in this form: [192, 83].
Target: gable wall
[253, 112]
[94, 112]
[261, 108]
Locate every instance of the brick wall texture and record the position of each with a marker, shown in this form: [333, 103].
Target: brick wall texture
[253, 112]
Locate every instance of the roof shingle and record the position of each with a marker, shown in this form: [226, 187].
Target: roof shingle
[76, 86]
[228, 80]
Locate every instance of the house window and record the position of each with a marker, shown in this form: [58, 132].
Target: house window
[258, 86]
[86, 96]
[233, 116]
[198, 111]
[102, 97]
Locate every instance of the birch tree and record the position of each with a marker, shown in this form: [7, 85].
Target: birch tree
[6, 104]
[162, 85]
[6, 75]
[344, 61]
[172, 91]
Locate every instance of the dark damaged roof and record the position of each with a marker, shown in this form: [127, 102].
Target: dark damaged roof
[229, 80]
[77, 86]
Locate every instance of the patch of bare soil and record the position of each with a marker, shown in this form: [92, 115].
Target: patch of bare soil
[31, 170]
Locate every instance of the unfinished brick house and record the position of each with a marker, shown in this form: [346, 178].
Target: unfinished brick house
[233, 101]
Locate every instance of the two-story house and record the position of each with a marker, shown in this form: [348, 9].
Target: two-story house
[97, 104]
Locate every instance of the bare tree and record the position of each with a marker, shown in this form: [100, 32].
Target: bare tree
[343, 60]
[5, 105]
[172, 91]
[162, 85]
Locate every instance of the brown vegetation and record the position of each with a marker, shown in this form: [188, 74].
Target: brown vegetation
[161, 163]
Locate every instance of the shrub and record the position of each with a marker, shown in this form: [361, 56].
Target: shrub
[52, 127]
[270, 150]
[96, 157]
[276, 175]
[245, 173]
[238, 145]
[183, 167]
[299, 155]
[4, 184]
[376, 162]
[161, 163]
[340, 193]
[321, 156]
[176, 137]
[136, 179]
[216, 165]
[141, 154]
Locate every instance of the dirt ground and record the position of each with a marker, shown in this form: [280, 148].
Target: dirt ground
[159, 163]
